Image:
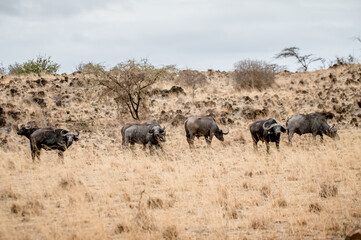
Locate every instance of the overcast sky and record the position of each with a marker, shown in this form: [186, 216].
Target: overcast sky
[196, 34]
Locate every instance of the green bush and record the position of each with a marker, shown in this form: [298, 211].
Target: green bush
[250, 74]
[38, 65]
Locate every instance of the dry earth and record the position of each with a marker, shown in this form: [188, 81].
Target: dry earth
[306, 191]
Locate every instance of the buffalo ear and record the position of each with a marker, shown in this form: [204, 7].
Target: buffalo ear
[283, 129]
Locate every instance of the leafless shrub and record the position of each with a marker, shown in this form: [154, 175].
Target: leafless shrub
[143, 219]
[2, 69]
[249, 74]
[29, 208]
[328, 190]
[192, 79]
[258, 223]
[155, 203]
[339, 61]
[121, 228]
[265, 191]
[170, 233]
[314, 207]
[282, 203]
[90, 68]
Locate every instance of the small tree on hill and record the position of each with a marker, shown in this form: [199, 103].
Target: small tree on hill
[192, 79]
[304, 60]
[128, 83]
[38, 65]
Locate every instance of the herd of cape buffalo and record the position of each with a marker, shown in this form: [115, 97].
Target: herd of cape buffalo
[151, 133]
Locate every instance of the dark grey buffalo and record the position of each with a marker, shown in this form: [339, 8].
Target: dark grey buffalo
[205, 126]
[48, 139]
[310, 123]
[266, 131]
[147, 133]
[149, 123]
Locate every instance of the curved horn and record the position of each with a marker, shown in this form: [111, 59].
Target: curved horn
[62, 132]
[268, 128]
[77, 133]
[225, 133]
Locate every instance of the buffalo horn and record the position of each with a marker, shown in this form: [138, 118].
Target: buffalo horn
[268, 128]
[225, 133]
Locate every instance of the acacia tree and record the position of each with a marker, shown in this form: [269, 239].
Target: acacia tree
[193, 79]
[128, 82]
[304, 60]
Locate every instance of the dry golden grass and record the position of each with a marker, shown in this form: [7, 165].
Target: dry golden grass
[306, 191]
[226, 191]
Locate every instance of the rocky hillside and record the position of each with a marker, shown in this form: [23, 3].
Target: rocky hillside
[71, 101]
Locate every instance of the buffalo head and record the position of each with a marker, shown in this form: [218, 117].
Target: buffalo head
[219, 134]
[158, 133]
[273, 128]
[69, 137]
[23, 130]
[332, 133]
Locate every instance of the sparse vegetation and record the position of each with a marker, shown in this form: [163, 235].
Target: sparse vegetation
[192, 79]
[128, 83]
[304, 60]
[309, 190]
[90, 68]
[253, 74]
[2, 69]
[343, 61]
[39, 65]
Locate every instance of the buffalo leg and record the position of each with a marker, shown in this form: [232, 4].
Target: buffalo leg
[314, 135]
[321, 135]
[255, 148]
[278, 145]
[208, 141]
[190, 141]
[61, 156]
[267, 147]
[33, 155]
[290, 136]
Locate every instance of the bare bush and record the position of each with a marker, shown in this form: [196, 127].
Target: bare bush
[90, 68]
[2, 69]
[192, 79]
[250, 74]
[339, 61]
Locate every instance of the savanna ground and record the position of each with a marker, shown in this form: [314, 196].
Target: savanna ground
[308, 190]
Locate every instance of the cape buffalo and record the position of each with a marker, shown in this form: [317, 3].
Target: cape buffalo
[146, 134]
[204, 126]
[266, 131]
[149, 123]
[48, 139]
[310, 123]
